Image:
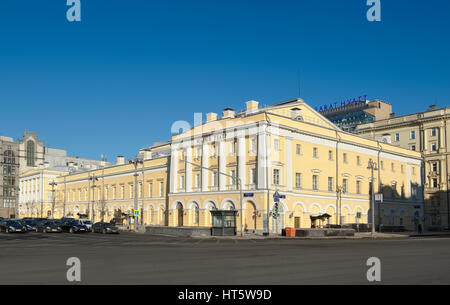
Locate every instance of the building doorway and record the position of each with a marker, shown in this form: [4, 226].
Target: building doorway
[180, 213]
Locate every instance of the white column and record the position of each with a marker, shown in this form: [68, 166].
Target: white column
[222, 167]
[174, 168]
[241, 154]
[205, 162]
[263, 152]
[189, 168]
[288, 165]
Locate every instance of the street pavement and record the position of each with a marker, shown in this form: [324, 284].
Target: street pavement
[129, 258]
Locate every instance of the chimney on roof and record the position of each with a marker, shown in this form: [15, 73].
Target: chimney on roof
[211, 117]
[228, 113]
[252, 106]
[120, 160]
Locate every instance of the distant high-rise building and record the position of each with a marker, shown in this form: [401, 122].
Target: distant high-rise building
[349, 115]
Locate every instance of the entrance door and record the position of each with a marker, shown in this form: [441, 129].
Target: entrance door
[297, 222]
[250, 217]
[180, 213]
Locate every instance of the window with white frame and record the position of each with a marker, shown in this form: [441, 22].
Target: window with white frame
[298, 180]
[358, 187]
[315, 182]
[161, 189]
[330, 184]
[253, 146]
[253, 176]
[330, 155]
[233, 174]
[276, 176]
[315, 152]
[345, 186]
[182, 180]
[298, 149]
[413, 135]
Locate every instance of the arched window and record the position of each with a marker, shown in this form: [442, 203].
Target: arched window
[30, 153]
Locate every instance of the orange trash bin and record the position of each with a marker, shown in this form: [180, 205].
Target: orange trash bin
[290, 232]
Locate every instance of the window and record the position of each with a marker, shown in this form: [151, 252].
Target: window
[113, 194]
[315, 182]
[253, 177]
[397, 137]
[122, 192]
[197, 180]
[161, 189]
[298, 180]
[434, 166]
[345, 158]
[315, 152]
[382, 165]
[233, 174]
[298, 149]
[198, 152]
[330, 184]
[233, 147]
[402, 169]
[215, 178]
[433, 147]
[435, 182]
[392, 167]
[131, 191]
[433, 132]
[30, 153]
[182, 180]
[150, 189]
[414, 171]
[413, 134]
[358, 160]
[345, 186]
[253, 145]
[330, 155]
[413, 147]
[276, 176]
[276, 145]
[358, 187]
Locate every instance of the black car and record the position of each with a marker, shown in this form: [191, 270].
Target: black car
[12, 225]
[49, 226]
[30, 223]
[73, 226]
[105, 227]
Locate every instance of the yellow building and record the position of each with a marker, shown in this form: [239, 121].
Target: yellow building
[288, 147]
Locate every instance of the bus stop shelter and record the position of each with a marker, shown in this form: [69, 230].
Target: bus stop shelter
[223, 222]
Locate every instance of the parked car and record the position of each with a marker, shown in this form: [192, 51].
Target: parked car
[87, 223]
[12, 225]
[49, 226]
[30, 223]
[73, 226]
[105, 227]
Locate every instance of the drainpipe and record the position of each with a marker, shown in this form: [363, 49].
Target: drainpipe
[379, 184]
[338, 209]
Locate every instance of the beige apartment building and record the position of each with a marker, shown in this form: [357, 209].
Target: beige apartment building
[426, 132]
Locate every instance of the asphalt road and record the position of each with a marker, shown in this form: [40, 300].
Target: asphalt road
[38, 258]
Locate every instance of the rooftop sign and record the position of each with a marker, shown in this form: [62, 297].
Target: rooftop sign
[341, 104]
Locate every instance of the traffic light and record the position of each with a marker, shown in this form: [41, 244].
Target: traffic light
[276, 208]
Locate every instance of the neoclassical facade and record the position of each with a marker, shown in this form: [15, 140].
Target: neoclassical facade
[239, 161]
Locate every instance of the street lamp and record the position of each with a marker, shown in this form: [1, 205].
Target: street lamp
[339, 191]
[373, 167]
[136, 161]
[93, 179]
[53, 184]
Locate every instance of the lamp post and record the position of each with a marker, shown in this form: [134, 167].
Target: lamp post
[136, 161]
[235, 179]
[339, 191]
[93, 179]
[373, 167]
[53, 184]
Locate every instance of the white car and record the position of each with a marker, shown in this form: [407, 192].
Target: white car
[87, 223]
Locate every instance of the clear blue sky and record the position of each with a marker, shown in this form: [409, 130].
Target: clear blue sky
[116, 81]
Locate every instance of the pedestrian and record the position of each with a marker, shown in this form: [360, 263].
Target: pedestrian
[419, 228]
